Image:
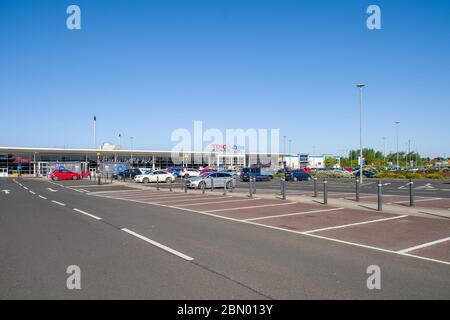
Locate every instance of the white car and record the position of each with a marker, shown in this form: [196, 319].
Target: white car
[154, 176]
[218, 179]
[189, 172]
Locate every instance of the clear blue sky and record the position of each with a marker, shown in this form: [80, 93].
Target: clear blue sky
[146, 68]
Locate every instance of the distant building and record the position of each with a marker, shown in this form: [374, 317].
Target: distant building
[111, 146]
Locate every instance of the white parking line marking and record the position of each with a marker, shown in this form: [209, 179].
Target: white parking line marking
[424, 245]
[88, 214]
[32, 192]
[355, 224]
[406, 201]
[159, 245]
[42, 197]
[25, 188]
[163, 197]
[213, 202]
[293, 214]
[61, 204]
[253, 207]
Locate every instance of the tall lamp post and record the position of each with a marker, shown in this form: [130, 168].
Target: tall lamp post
[361, 164]
[396, 129]
[131, 138]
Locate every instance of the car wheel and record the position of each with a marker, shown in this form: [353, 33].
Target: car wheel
[186, 176]
[74, 178]
[55, 179]
[168, 179]
[145, 180]
[295, 179]
[202, 185]
[229, 185]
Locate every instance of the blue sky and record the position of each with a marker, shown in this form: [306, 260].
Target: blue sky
[146, 68]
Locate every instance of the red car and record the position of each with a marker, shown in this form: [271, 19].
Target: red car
[207, 170]
[64, 174]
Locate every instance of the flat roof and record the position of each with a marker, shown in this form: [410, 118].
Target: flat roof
[121, 151]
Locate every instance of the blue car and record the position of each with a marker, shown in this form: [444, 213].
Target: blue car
[367, 174]
[300, 175]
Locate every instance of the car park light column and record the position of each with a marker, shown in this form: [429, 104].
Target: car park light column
[361, 163]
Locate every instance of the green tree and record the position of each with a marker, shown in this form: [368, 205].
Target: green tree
[331, 162]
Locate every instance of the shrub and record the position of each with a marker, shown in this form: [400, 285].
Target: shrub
[435, 176]
[413, 175]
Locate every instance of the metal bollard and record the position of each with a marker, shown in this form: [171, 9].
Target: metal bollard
[357, 190]
[254, 185]
[185, 188]
[225, 188]
[315, 187]
[283, 188]
[380, 196]
[411, 193]
[203, 187]
[170, 185]
[182, 183]
[250, 187]
[212, 183]
[157, 183]
[325, 192]
[98, 180]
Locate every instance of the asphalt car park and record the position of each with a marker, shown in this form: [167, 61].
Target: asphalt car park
[377, 230]
[211, 245]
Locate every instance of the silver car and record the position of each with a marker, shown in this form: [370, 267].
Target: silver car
[217, 179]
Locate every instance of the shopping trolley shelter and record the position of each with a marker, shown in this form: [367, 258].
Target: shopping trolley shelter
[194, 244]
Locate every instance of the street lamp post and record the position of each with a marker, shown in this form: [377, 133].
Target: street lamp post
[396, 128]
[361, 164]
[131, 138]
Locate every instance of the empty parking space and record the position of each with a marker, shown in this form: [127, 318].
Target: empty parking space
[318, 220]
[394, 234]
[439, 251]
[251, 213]
[217, 207]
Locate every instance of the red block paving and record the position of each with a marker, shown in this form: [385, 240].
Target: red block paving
[219, 206]
[271, 211]
[439, 251]
[394, 234]
[312, 221]
[200, 200]
[158, 196]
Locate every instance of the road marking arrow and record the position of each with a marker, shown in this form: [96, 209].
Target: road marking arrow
[52, 190]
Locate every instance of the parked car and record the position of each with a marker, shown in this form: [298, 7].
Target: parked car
[218, 179]
[207, 170]
[234, 173]
[255, 172]
[287, 173]
[190, 172]
[154, 176]
[64, 174]
[128, 173]
[176, 171]
[366, 173]
[300, 175]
